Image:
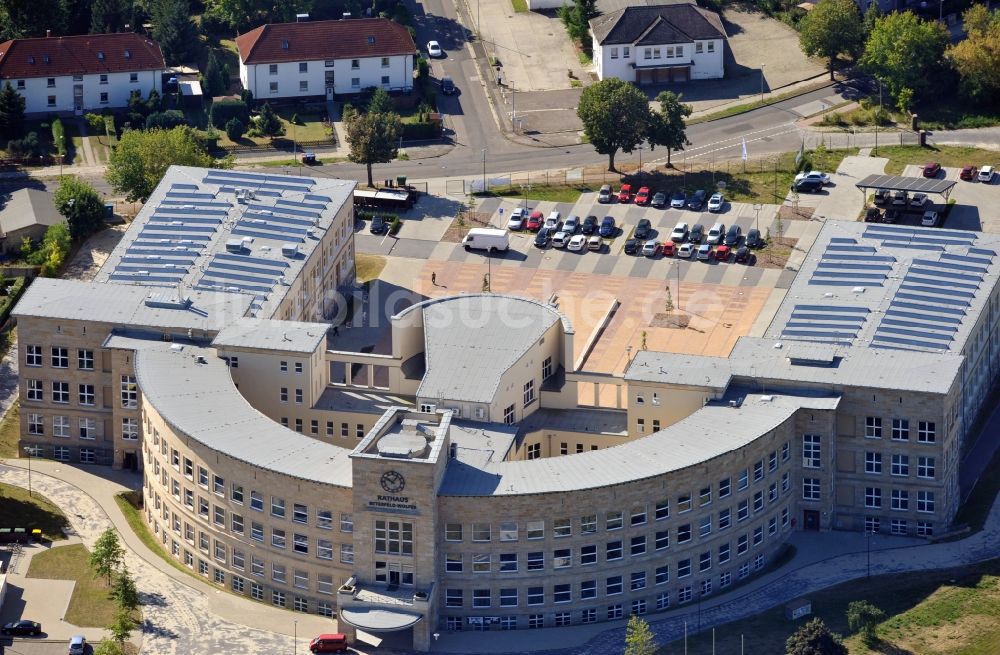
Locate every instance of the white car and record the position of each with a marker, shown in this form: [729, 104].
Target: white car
[577, 242]
[930, 218]
[595, 243]
[560, 239]
[813, 175]
[716, 202]
[651, 249]
[434, 49]
[918, 200]
[705, 252]
[680, 233]
[985, 174]
[517, 219]
[553, 224]
[685, 251]
[716, 234]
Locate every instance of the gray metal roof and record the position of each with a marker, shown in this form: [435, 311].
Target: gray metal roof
[890, 286]
[679, 368]
[192, 390]
[26, 208]
[102, 302]
[593, 421]
[201, 229]
[903, 183]
[662, 23]
[287, 336]
[365, 401]
[711, 431]
[470, 341]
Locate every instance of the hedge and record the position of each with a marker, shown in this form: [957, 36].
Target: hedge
[225, 110]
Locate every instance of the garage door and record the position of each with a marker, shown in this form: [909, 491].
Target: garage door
[679, 75]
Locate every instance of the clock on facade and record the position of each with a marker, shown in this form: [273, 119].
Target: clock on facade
[393, 482]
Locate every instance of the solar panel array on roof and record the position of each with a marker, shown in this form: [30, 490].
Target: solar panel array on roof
[932, 301]
[242, 273]
[902, 183]
[258, 181]
[847, 263]
[918, 238]
[825, 323]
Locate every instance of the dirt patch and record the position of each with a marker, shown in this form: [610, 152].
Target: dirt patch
[670, 321]
[464, 222]
[791, 213]
[93, 253]
[777, 252]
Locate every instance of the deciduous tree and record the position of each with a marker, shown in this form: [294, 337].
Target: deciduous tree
[108, 555]
[373, 138]
[863, 617]
[814, 638]
[124, 591]
[666, 126]
[21, 19]
[905, 52]
[832, 28]
[83, 208]
[615, 117]
[139, 161]
[975, 57]
[121, 627]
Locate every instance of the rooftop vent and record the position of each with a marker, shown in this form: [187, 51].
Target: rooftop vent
[100, 55]
[167, 301]
[200, 360]
[177, 347]
[858, 289]
[290, 250]
[234, 245]
[766, 399]
[371, 40]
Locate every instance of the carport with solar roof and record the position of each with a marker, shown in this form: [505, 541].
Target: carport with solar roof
[908, 184]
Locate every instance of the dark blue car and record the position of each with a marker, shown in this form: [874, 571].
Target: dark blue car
[607, 227]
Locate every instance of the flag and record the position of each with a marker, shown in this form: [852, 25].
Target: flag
[744, 149]
[801, 154]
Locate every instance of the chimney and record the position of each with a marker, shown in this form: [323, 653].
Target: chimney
[48, 34]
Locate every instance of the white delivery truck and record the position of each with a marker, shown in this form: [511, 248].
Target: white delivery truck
[484, 238]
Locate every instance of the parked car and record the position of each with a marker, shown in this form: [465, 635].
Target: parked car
[572, 224]
[535, 221]
[899, 198]
[930, 218]
[678, 200]
[685, 250]
[23, 627]
[553, 223]
[931, 169]
[807, 185]
[604, 196]
[968, 173]
[77, 645]
[589, 225]
[716, 234]
[447, 85]
[985, 174]
[742, 255]
[607, 228]
[697, 200]
[679, 233]
[517, 219]
[651, 249]
[817, 176]
[642, 197]
[577, 243]
[553, 216]
[704, 252]
[697, 233]
[595, 243]
[667, 248]
[379, 225]
[434, 49]
[733, 235]
[881, 196]
[543, 238]
[632, 246]
[659, 200]
[722, 253]
[918, 200]
[716, 202]
[892, 215]
[560, 239]
[753, 239]
[330, 643]
[873, 215]
[643, 229]
[625, 193]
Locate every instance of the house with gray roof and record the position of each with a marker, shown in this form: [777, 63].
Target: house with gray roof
[659, 44]
[26, 213]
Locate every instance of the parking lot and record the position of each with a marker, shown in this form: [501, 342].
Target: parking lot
[971, 198]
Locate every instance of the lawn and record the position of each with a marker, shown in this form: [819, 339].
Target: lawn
[309, 128]
[19, 510]
[369, 267]
[554, 193]
[138, 524]
[958, 156]
[949, 612]
[10, 431]
[90, 606]
[520, 6]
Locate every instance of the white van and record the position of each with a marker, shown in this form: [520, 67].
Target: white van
[484, 238]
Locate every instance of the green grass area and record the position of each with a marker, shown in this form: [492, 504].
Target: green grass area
[133, 515]
[520, 6]
[555, 193]
[10, 431]
[948, 112]
[900, 156]
[948, 612]
[20, 510]
[585, 59]
[309, 128]
[369, 267]
[90, 606]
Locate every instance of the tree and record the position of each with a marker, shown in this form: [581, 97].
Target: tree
[174, 30]
[905, 52]
[21, 19]
[863, 617]
[108, 555]
[639, 638]
[121, 627]
[666, 126]
[227, 109]
[235, 129]
[268, 123]
[615, 115]
[108, 16]
[11, 112]
[373, 138]
[165, 120]
[125, 592]
[211, 80]
[380, 102]
[83, 208]
[814, 638]
[868, 23]
[832, 28]
[108, 647]
[975, 56]
[576, 19]
[26, 147]
[51, 252]
[141, 158]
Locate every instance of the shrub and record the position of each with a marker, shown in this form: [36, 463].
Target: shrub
[59, 136]
[225, 110]
[28, 146]
[95, 122]
[165, 120]
[235, 129]
[394, 225]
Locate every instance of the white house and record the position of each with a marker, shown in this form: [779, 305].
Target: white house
[323, 58]
[81, 73]
[659, 44]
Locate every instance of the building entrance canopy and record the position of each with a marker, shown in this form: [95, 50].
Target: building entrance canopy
[379, 619]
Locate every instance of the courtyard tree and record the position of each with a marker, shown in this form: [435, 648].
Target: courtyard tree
[108, 556]
[121, 627]
[576, 18]
[78, 201]
[814, 638]
[108, 647]
[666, 125]
[373, 138]
[211, 79]
[139, 161]
[833, 28]
[615, 116]
[174, 30]
[639, 638]
[905, 52]
[863, 617]
[12, 106]
[267, 122]
[124, 591]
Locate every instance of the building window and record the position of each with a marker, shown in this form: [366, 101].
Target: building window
[810, 489]
[588, 554]
[758, 471]
[20, 85]
[303, 67]
[873, 427]
[588, 524]
[900, 465]
[547, 368]
[873, 497]
[273, 87]
[534, 451]
[683, 568]
[925, 501]
[60, 426]
[36, 424]
[33, 356]
[872, 524]
[725, 518]
[452, 597]
[613, 585]
[900, 429]
[385, 80]
[924, 529]
[355, 64]
[705, 526]
[873, 462]
[614, 53]
[810, 451]
[85, 359]
[88, 428]
[925, 467]
[699, 47]
[899, 500]
[625, 55]
[277, 504]
[60, 357]
[50, 82]
[355, 82]
[711, 46]
[385, 62]
[925, 432]
[897, 527]
[51, 101]
[129, 392]
[36, 390]
[303, 86]
[393, 537]
[637, 546]
[647, 53]
[613, 551]
[481, 598]
[536, 561]
[130, 429]
[104, 97]
[529, 392]
[508, 415]
[87, 395]
[133, 78]
[744, 480]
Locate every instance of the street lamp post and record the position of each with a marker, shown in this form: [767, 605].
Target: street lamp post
[295, 637]
[762, 84]
[640, 160]
[878, 117]
[757, 207]
[28, 451]
[484, 170]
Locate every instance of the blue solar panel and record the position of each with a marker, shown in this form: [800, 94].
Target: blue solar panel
[952, 265]
[281, 209]
[193, 196]
[848, 309]
[313, 196]
[273, 218]
[892, 311]
[258, 261]
[918, 333]
[276, 185]
[826, 317]
[966, 296]
[902, 343]
[189, 210]
[918, 325]
[258, 177]
[959, 302]
[913, 246]
[300, 203]
[929, 308]
[841, 336]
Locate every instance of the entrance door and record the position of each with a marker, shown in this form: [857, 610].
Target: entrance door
[78, 98]
[810, 519]
[130, 462]
[329, 93]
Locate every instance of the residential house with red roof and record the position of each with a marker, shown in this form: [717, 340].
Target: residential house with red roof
[89, 72]
[325, 58]
[659, 43]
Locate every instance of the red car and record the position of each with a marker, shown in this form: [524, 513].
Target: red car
[722, 253]
[932, 169]
[642, 198]
[535, 221]
[668, 248]
[968, 173]
[625, 193]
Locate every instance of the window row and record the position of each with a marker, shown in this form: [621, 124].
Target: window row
[899, 465]
[900, 429]
[62, 427]
[899, 499]
[86, 393]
